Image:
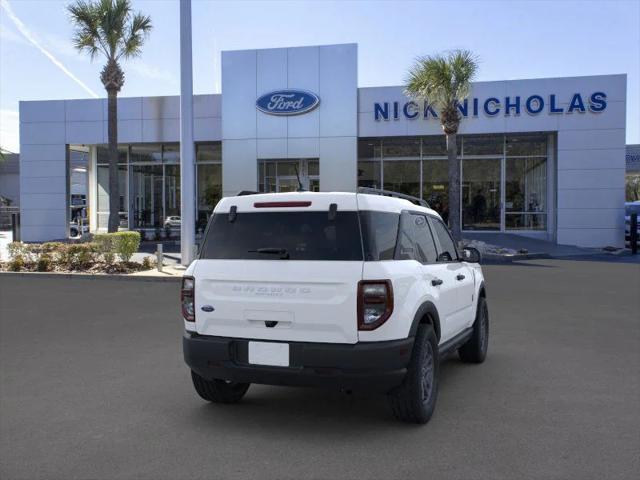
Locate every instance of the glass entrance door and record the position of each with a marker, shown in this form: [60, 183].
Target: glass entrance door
[481, 194]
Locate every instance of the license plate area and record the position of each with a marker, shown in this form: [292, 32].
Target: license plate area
[269, 353]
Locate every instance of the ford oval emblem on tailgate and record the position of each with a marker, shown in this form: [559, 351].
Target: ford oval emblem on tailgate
[207, 308]
[287, 102]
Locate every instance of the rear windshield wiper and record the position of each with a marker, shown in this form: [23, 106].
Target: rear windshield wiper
[284, 254]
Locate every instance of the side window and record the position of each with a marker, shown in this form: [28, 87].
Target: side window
[415, 241]
[379, 232]
[447, 251]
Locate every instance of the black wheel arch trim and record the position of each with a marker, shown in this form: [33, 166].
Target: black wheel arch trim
[482, 291]
[426, 309]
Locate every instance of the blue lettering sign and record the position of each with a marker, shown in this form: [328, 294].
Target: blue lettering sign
[287, 102]
[492, 106]
[496, 104]
[552, 105]
[428, 109]
[464, 107]
[509, 105]
[536, 100]
[410, 110]
[598, 102]
[576, 104]
[380, 111]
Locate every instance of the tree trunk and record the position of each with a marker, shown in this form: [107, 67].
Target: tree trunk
[454, 187]
[114, 192]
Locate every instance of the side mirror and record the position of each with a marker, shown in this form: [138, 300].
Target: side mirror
[471, 255]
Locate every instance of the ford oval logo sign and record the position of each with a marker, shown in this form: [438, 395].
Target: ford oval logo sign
[287, 102]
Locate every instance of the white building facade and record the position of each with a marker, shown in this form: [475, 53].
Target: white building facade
[542, 158]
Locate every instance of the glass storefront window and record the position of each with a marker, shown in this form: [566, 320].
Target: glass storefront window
[369, 174]
[172, 190]
[209, 152]
[435, 146]
[103, 195]
[171, 153]
[209, 191]
[146, 192]
[525, 193]
[102, 152]
[526, 144]
[146, 152]
[402, 176]
[435, 186]
[209, 181]
[483, 145]
[287, 175]
[403, 147]
[481, 194]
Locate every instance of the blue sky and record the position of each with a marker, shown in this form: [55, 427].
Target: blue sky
[513, 40]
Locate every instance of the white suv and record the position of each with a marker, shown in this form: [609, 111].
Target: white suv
[345, 290]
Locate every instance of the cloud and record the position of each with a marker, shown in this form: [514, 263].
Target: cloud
[24, 30]
[9, 130]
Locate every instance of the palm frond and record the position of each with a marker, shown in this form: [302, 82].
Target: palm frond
[442, 80]
[139, 28]
[109, 27]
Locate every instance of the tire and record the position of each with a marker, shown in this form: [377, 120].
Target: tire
[219, 391]
[475, 349]
[415, 400]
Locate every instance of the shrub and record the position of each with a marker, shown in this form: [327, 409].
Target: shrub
[44, 263]
[106, 246]
[147, 263]
[126, 244]
[17, 249]
[77, 256]
[16, 263]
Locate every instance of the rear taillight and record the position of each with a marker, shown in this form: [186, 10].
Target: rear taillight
[375, 303]
[187, 295]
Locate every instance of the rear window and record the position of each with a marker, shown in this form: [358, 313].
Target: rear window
[280, 235]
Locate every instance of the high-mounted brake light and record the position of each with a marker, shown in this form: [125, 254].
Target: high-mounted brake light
[187, 296]
[375, 303]
[281, 204]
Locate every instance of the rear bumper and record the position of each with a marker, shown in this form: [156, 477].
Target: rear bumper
[376, 366]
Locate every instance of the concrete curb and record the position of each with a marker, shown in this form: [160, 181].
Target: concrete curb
[89, 276]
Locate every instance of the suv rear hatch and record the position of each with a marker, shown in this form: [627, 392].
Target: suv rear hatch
[281, 267]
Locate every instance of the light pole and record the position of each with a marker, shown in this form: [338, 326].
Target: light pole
[187, 146]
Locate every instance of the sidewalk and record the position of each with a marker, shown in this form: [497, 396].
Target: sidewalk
[507, 246]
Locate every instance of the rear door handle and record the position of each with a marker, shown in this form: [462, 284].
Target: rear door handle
[436, 281]
[460, 277]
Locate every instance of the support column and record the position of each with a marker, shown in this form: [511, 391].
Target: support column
[187, 147]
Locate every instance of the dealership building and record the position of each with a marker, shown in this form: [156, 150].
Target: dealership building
[543, 158]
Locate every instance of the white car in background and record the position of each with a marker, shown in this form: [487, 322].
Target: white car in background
[340, 290]
[172, 222]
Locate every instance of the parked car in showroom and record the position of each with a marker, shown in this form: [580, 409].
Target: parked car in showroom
[629, 208]
[172, 222]
[341, 290]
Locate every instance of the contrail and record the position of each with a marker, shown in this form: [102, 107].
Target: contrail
[31, 38]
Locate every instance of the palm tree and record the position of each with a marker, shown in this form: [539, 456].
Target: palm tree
[112, 29]
[444, 81]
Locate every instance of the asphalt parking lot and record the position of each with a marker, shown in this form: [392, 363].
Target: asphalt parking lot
[93, 386]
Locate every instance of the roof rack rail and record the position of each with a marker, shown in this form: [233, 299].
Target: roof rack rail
[246, 192]
[389, 193]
